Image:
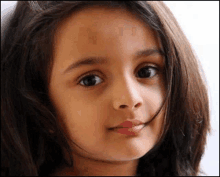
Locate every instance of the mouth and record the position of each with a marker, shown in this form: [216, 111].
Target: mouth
[128, 124]
[134, 130]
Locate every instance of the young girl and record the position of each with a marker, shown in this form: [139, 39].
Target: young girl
[94, 88]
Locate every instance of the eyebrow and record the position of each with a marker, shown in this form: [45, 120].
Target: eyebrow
[102, 60]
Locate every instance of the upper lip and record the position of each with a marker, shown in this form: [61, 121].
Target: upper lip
[129, 124]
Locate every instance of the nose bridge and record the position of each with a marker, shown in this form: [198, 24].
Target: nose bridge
[126, 93]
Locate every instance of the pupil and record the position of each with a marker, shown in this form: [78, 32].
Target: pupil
[144, 73]
[90, 80]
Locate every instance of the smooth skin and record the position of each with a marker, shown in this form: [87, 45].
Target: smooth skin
[117, 93]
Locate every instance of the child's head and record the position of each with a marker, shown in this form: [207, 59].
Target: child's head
[127, 83]
[73, 71]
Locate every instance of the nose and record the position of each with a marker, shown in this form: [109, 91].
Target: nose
[127, 96]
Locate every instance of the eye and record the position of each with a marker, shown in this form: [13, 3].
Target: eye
[147, 72]
[93, 79]
[90, 80]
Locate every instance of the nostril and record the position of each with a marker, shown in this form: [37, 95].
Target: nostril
[137, 105]
[122, 106]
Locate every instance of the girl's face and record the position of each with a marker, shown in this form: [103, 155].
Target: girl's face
[125, 82]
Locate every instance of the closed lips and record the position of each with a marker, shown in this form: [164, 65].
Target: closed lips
[129, 124]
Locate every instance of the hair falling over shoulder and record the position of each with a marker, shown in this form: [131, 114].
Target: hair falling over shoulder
[27, 118]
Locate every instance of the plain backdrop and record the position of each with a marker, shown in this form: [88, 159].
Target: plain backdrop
[200, 23]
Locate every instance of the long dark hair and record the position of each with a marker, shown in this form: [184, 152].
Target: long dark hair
[28, 119]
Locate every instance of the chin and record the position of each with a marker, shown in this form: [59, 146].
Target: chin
[131, 154]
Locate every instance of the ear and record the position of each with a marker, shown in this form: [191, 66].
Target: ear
[7, 11]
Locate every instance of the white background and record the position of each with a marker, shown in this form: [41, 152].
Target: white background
[200, 22]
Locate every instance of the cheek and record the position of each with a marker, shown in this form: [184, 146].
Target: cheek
[74, 111]
[81, 119]
[156, 125]
[153, 102]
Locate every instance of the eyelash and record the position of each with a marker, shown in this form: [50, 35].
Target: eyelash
[156, 69]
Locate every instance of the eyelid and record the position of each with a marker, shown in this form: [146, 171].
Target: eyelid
[150, 65]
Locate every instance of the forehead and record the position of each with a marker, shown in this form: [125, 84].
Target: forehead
[102, 32]
[102, 22]
[92, 15]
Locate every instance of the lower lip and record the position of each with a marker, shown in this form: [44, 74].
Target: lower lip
[130, 131]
